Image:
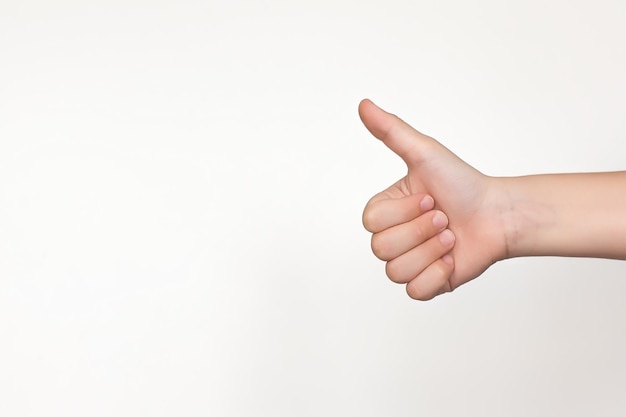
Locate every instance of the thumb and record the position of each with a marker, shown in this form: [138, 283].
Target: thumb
[393, 132]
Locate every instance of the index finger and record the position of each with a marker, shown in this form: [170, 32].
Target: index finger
[383, 213]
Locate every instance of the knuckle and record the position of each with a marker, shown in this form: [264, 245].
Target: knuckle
[420, 233]
[414, 292]
[394, 272]
[439, 270]
[371, 219]
[380, 247]
[418, 294]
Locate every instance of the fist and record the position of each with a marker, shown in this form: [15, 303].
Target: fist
[413, 238]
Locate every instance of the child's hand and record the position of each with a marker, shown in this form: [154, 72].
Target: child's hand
[415, 240]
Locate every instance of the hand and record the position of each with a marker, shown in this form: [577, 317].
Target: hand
[439, 226]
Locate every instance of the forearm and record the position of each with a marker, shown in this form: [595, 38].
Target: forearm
[566, 215]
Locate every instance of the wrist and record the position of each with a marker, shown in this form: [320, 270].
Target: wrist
[523, 217]
[506, 218]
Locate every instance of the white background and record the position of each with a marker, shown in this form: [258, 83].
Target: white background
[181, 185]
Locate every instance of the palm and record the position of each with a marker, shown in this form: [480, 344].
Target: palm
[464, 195]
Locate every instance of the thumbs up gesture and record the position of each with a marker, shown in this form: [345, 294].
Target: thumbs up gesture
[439, 226]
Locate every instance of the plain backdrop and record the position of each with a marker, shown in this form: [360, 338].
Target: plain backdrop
[181, 188]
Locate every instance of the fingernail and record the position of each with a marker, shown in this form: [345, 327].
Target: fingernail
[440, 220]
[447, 259]
[446, 237]
[427, 203]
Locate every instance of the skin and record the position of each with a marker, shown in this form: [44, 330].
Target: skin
[445, 222]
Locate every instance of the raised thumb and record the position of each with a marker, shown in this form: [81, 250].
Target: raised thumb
[393, 132]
